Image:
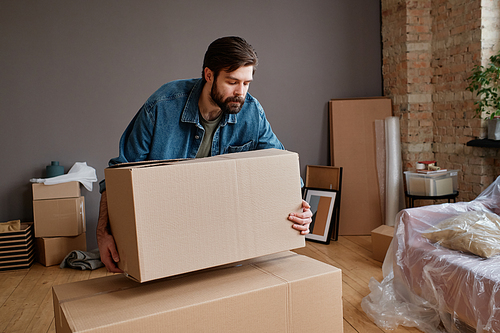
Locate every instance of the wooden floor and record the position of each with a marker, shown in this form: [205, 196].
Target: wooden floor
[26, 297]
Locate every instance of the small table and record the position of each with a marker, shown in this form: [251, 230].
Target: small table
[412, 197]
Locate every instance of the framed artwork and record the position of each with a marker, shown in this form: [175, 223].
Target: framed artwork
[321, 177]
[323, 206]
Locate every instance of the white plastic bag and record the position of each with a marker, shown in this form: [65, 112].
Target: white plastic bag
[80, 172]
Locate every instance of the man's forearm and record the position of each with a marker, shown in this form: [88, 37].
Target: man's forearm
[105, 241]
[103, 222]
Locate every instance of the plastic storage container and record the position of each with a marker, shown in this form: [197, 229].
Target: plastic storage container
[431, 184]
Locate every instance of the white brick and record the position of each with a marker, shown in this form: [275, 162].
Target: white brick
[419, 98]
[419, 147]
[418, 46]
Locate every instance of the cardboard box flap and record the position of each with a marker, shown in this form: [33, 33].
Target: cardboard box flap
[145, 164]
[153, 163]
[272, 152]
[384, 230]
[215, 300]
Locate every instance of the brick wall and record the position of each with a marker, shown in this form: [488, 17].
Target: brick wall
[429, 50]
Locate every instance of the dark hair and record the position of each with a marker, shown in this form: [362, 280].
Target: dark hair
[228, 54]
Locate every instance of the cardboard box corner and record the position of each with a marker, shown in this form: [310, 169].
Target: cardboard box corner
[381, 240]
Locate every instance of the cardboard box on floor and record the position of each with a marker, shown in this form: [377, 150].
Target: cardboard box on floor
[284, 292]
[57, 191]
[169, 218]
[381, 239]
[59, 217]
[52, 250]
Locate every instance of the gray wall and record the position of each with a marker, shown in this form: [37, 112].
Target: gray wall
[74, 73]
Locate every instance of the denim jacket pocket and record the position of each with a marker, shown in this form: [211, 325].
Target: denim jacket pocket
[238, 149]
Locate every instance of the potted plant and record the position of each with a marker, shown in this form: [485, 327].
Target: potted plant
[485, 82]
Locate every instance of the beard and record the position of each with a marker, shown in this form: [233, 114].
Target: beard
[230, 105]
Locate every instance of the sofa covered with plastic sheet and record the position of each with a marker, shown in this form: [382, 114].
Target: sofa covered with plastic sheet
[441, 286]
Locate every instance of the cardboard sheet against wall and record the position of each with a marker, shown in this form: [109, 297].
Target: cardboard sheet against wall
[352, 146]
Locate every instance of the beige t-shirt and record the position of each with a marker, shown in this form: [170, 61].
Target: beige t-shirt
[210, 127]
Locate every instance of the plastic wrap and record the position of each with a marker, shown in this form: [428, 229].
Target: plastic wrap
[432, 287]
[380, 159]
[394, 200]
[389, 168]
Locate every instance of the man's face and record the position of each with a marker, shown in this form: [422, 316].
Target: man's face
[230, 89]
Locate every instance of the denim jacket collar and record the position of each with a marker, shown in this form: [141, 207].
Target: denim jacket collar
[191, 113]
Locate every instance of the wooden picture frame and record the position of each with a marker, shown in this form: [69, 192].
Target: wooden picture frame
[322, 177]
[323, 203]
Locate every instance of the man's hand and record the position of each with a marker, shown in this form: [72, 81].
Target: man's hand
[105, 241]
[302, 220]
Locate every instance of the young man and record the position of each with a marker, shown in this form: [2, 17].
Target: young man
[198, 118]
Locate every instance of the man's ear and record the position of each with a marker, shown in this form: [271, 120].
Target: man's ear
[209, 75]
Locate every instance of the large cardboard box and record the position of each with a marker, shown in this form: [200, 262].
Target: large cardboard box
[174, 217]
[17, 248]
[57, 191]
[284, 292]
[52, 250]
[59, 217]
[381, 240]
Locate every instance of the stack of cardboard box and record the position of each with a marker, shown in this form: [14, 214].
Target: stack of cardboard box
[205, 247]
[59, 215]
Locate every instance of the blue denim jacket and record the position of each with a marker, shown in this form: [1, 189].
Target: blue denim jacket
[168, 127]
